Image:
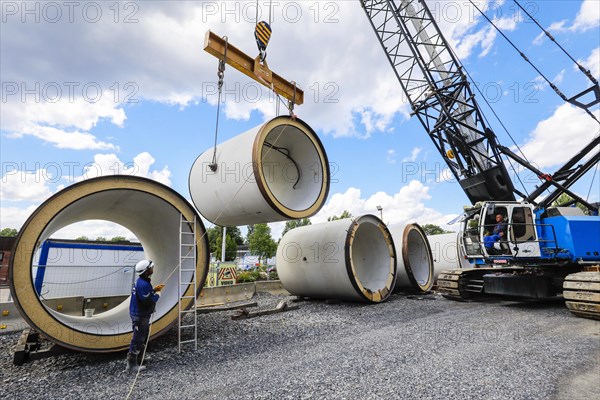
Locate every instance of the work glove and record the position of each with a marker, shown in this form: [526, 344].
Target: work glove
[158, 288]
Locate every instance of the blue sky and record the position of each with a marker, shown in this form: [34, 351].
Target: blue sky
[100, 87]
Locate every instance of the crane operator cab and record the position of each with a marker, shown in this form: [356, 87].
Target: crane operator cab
[499, 231]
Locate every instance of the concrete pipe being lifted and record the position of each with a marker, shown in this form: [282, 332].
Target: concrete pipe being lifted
[415, 261]
[151, 211]
[447, 253]
[348, 259]
[274, 172]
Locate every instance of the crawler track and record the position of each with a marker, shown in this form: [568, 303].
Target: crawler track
[462, 284]
[582, 294]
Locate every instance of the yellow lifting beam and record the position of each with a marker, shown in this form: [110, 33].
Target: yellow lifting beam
[252, 67]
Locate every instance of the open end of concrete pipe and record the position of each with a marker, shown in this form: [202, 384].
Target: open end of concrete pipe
[447, 252]
[274, 172]
[152, 212]
[415, 266]
[348, 259]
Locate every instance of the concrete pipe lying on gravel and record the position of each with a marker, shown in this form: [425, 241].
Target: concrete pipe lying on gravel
[348, 259]
[151, 211]
[447, 252]
[274, 172]
[415, 262]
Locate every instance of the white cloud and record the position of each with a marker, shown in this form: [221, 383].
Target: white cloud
[588, 16]
[77, 113]
[14, 217]
[555, 27]
[37, 186]
[446, 176]
[26, 185]
[484, 38]
[110, 164]
[391, 156]
[400, 208]
[64, 123]
[413, 155]
[559, 77]
[350, 82]
[93, 229]
[540, 83]
[64, 139]
[593, 62]
[556, 139]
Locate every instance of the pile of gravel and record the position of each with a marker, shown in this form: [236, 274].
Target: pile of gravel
[409, 347]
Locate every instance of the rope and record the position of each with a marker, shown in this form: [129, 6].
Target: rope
[501, 124]
[270, 147]
[270, 8]
[591, 184]
[143, 356]
[289, 105]
[585, 71]
[256, 18]
[548, 81]
[520, 52]
[88, 280]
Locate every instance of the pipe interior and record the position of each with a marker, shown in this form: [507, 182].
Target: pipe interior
[418, 257]
[281, 173]
[155, 222]
[371, 257]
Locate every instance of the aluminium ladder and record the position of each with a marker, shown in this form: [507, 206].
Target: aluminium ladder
[187, 278]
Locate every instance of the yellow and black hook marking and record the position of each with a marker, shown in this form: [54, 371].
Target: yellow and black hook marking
[262, 33]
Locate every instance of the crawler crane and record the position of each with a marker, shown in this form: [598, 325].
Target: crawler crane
[546, 251]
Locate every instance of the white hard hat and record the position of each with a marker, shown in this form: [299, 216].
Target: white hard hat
[143, 266]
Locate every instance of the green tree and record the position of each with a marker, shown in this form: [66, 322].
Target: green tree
[230, 247]
[100, 239]
[215, 238]
[261, 243]
[235, 234]
[566, 200]
[9, 232]
[289, 225]
[118, 239]
[249, 233]
[431, 229]
[82, 238]
[345, 214]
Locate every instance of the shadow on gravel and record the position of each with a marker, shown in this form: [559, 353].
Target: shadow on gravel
[537, 305]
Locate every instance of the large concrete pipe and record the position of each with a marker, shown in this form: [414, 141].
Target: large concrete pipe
[348, 259]
[447, 252]
[151, 211]
[274, 172]
[415, 261]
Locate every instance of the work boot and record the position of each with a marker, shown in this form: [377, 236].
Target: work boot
[146, 357]
[132, 365]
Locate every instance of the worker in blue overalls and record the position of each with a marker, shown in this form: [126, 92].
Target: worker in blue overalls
[498, 234]
[141, 308]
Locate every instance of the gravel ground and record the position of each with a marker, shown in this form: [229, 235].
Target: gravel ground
[409, 347]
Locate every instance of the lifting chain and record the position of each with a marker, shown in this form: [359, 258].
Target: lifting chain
[292, 103]
[221, 76]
